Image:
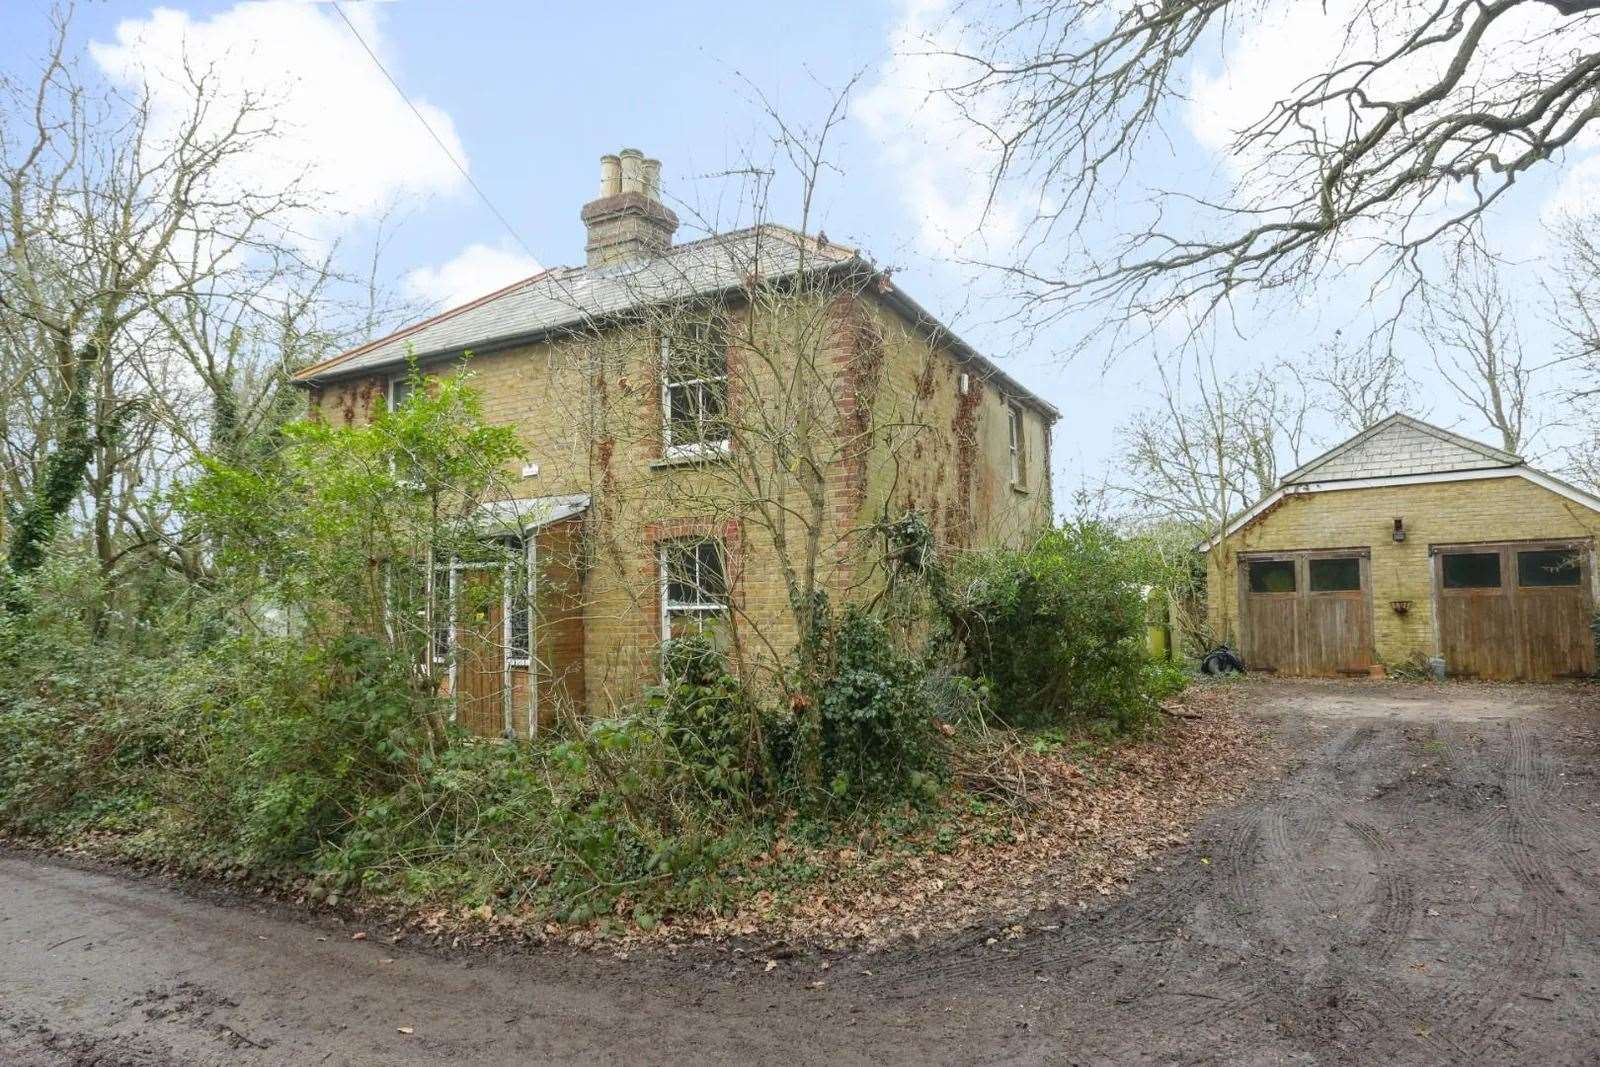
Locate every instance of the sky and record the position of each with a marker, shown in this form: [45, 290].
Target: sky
[528, 96]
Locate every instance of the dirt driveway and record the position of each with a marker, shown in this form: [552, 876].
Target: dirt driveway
[1420, 887]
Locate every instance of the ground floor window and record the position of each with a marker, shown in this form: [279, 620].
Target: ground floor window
[694, 585]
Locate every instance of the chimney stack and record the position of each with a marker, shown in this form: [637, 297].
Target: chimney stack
[628, 221]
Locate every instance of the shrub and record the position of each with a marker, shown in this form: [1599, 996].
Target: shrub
[1058, 629]
[711, 721]
[860, 731]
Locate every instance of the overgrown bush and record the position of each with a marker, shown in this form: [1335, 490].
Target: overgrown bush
[860, 730]
[1058, 629]
[81, 731]
[712, 722]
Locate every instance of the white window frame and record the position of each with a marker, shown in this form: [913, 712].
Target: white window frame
[700, 447]
[526, 659]
[1018, 442]
[703, 608]
[442, 656]
[396, 380]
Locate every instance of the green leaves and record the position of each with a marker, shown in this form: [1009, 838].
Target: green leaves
[1059, 628]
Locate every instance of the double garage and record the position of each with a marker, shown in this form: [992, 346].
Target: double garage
[1512, 610]
[1360, 559]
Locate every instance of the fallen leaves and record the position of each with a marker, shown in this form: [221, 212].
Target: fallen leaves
[1056, 825]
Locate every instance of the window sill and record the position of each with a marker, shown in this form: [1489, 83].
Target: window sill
[1018, 487]
[691, 455]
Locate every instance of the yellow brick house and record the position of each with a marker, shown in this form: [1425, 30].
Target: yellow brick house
[1404, 543]
[707, 423]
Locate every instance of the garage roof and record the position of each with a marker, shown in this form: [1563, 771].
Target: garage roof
[1401, 450]
[1400, 445]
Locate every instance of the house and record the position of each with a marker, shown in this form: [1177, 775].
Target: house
[1407, 542]
[709, 424]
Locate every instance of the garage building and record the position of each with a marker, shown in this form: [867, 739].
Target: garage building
[1406, 542]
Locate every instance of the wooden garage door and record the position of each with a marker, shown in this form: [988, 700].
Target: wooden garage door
[1307, 612]
[1515, 610]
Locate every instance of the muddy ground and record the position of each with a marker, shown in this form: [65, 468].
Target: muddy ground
[1420, 887]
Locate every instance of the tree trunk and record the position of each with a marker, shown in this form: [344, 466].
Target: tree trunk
[62, 479]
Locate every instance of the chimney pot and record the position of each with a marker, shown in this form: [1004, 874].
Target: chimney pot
[632, 170]
[652, 179]
[610, 176]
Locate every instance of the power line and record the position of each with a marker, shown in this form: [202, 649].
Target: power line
[451, 156]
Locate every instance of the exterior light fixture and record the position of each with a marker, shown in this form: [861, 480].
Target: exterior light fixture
[1399, 529]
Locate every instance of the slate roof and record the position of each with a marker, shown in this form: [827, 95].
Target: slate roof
[1400, 445]
[566, 298]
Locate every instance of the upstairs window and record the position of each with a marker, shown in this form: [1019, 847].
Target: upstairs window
[1019, 447]
[694, 586]
[694, 388]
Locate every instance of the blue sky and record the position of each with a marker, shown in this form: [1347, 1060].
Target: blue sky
[530, 95]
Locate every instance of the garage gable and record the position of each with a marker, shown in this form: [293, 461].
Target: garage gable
[1400, 445]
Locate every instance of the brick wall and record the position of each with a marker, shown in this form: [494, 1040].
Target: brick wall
[1489, 509]
[588, 410]
[947, 454]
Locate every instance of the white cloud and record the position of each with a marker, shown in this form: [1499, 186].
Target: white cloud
[941, 161]
[475, 271]
[340, 125]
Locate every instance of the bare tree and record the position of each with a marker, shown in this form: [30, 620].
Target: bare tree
[1210, 447]
[1206, 451]
[1577, 303]
[771, 390]
[1357, 384]
[111, 214]
[1423, 117]
[1477, 348]
[151, 307]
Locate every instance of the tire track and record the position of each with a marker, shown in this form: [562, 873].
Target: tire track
[1396, 897]
[1534, 934]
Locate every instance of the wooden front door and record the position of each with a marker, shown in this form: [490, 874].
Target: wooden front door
[1516, 610]
[1307, 612]
[480, 692]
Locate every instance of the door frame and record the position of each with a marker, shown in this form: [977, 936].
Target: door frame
[507, 692]
[1301, 558]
